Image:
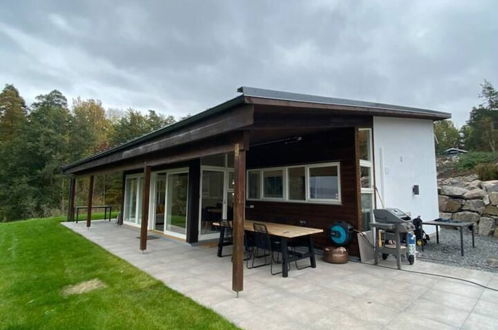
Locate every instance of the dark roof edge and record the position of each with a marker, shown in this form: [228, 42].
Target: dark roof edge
[288, 96]
[167, 129]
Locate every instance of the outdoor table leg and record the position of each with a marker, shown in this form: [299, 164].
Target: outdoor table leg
[312, 252]
[110, 213]
[461, 239]
[220, 242]
[77, 214]
[437, 234]
[285, 257]
[105, 213]
[473, 241]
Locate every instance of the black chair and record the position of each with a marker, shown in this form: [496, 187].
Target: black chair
[298, 245]
[264, 247]
[226, 237]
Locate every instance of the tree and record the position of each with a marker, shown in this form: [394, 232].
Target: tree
[447, 135]
[89, 128]
[47, 148]
[12, 113]
[134, 124]
[15, 190]
[482, 132]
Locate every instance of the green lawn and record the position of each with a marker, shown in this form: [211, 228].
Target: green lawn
[39, 257]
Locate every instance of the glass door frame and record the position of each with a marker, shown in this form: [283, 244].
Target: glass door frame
[152, 204]
[138, 199]
[226, 177]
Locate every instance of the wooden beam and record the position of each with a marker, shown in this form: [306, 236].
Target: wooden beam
[90, 201]
[72, 194]
[145, 209]
[237, 118]
[239, 217]
[194, 178]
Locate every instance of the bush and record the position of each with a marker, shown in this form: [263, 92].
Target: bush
[487, 171]
[470, 160]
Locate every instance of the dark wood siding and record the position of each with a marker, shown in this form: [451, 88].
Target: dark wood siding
[331, 146]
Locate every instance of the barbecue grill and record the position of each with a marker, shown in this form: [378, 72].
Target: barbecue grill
[393, 227]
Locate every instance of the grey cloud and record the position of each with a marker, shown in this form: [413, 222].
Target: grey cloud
[183, 56]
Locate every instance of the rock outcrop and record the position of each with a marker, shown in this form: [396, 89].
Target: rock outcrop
[469, 199]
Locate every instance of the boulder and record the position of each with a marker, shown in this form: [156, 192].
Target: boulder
[492, 262]
[453, 191]
[491, 210]
[466, 216]
[490, 186]
[475, 205]
[486, 226]
[475, 194]
[496, 233]
[475, 184]
[444, 215]
[486, 200]
[447, 204]
[493, 197]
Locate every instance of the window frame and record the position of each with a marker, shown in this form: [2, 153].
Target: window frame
[285, 197]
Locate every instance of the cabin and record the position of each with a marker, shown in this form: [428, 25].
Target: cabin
[277, 157]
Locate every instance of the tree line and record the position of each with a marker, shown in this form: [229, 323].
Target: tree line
[36, 140]
[480, 133]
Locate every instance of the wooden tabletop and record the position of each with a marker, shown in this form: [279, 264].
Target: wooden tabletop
[280, 229]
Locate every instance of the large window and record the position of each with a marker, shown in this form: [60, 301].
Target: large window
[296, 178]
[273, 184]
[366, 176]
[324, 183]
[314, 183]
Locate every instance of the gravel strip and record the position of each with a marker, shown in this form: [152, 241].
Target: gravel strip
[448, 250]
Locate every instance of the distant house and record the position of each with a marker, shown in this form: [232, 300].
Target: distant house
[454, 151]
[277, 157]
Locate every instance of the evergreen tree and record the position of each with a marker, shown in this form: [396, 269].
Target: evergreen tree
[482, 131]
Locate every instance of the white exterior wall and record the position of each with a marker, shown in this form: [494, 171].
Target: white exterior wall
[405, 156]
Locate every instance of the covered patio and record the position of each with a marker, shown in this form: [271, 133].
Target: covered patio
[266, 156]
[352, 295]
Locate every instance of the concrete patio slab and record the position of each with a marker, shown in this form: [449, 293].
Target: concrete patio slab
[352, 295]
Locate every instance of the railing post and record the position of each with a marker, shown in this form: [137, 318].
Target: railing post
[90, 201]
[239, 218]
[145, 209]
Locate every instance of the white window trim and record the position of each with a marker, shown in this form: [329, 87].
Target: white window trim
[138, 192]
[285, 198]
[325, 200]
[284, 186]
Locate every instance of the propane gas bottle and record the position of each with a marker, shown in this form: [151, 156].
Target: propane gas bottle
[410, 241]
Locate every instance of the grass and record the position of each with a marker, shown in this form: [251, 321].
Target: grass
[39, 257]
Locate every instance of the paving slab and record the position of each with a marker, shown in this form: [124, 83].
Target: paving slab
[351, 296]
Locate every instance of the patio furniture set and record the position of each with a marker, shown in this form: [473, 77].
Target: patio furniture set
[272, 243]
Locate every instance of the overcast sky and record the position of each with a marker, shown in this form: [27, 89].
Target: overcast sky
[180, 57]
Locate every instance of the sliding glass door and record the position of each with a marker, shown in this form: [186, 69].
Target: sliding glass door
[176, 204]
[133, 199]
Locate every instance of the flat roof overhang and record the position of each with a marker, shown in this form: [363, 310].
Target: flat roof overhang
[258, 111]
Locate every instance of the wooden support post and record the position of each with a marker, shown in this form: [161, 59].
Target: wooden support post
[145, 209]
[239, 218]
[123, 191]
[72, 194]
[90, 200]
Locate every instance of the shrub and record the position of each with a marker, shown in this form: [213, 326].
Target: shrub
[487, 171]
[471, 159]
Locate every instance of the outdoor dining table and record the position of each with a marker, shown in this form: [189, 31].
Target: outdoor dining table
[458, 225]
[284, 232]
